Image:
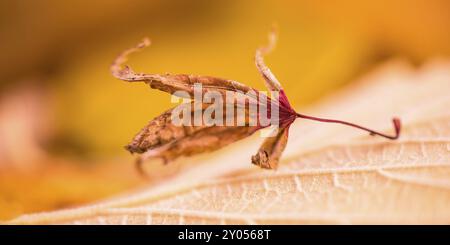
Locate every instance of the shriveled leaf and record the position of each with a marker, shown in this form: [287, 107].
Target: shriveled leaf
[329, 173]
[160, 138]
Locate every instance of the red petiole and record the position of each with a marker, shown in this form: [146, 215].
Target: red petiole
[396, 122]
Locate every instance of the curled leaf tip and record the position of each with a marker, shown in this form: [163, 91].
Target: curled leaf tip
[145, 42]
[272, 38]
[261, 159]
[271, 81]
[125, 73]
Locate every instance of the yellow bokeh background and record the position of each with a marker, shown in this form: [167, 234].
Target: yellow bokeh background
[59, 53]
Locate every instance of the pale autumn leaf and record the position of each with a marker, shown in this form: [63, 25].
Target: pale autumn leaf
[328, 173]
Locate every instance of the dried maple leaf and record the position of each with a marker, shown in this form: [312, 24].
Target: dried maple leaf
[329, 174]
[162, 139]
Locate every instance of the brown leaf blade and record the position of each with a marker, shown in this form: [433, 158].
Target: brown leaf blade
[172, 83]
[162, 138]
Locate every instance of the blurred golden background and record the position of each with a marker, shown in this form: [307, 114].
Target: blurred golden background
[64, 119]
